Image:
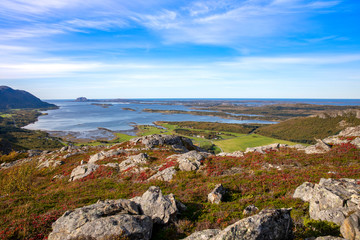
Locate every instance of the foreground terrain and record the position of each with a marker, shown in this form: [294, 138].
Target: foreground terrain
[37, 190]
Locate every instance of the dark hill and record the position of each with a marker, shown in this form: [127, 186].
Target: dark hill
[10, 98]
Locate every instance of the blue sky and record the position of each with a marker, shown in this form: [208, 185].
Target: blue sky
[60, 49]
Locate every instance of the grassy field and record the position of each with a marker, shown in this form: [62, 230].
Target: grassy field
[244, 141]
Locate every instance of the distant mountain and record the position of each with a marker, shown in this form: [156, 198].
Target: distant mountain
[10, 98]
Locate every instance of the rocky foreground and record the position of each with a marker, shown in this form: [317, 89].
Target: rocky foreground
[250, 184]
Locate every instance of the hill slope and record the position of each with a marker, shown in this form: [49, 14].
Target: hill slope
[10, 98]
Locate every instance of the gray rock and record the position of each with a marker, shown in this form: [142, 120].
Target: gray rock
[234, 154]
[319, 147]
[82, 171]
[263, 149]
[334, 140]
[350, 229]
[104, 154]
[103, 220]
[133, 161]
[331, 200]
[181, 144]
[267, 225]
[216, 196]
[162, 209]
[49, 163]
[203, 235]
[164, 175]
[189, 161]
[250, 210]
[350, 132]
[356, 142]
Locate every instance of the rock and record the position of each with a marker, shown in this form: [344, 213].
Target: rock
[110, 219]
[33, 153]
[319, 147]
[178, 143]
[329, 238]
[267, 225]
[189, 161]
[350, 229]
[133, 161]
[356, 142]
[49, 163]
[164, 175]
[162, 209]
[104, 154]
[82, 171]
[203, 235]
[331, 200]
[216, 196]
[350, 132]
[250, 210]
[334, 140]
[297, 146]
[263, 149]
[234, 154]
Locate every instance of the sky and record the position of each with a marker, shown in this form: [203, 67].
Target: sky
[64, 49]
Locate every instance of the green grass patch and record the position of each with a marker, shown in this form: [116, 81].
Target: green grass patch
[244, 141]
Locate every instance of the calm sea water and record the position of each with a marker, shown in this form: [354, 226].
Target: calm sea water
[82, 116]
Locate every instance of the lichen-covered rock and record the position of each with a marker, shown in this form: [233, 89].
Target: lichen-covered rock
[263, 149]
[329, 238]
[267, 225]
[233, 154]
[178, 143]
[189, 161]
[103, 220]
[350, 132]
[203, 235]
[82, 171]
[319, 147]
[164, 175]
[331, 200]
[217, 195]
[104, 154]
[356, 142]
[162, 209]
[133, 161]
[350, 229]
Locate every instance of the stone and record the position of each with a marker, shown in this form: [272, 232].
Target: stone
[350, 229]
[356, 142]
[234, 154]
[217, 195]
[334, 140]
[273, 224]
[164, 175]
[319, 147]
[250, 210]
[350, 132]
[82, 171]
[104, 154]
[49, 163]
[110, 219]
[162, 209]
[203, 235]
[189, 161]
[263, 149]
[133, 161]
[178, 143]
[331, 200]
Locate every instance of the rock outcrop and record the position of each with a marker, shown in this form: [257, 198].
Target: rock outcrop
[267, 225]
[250, 210]
[133, 161]
[331, 200]
[233, 154]
[104, 154]
[82, 171]
[117, 219]
[103, 220]
[217, 195]
[319, 147]
[164, 175]
[181, 144]
[263, 149]
[189, 161]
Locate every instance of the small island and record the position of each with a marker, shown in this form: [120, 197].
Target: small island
[129, 109]
[81, 99]
[103, 105]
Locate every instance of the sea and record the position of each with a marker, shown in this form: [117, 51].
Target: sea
[84, 118]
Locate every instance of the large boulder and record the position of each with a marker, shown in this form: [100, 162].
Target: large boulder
[263, 149]
[331, 200]
[319, 147]
[217, 194]
[165, 175]
[104, 154]
[350, 132]
[110, 219]
[350, 229]
[82, 171]
[161, 208]
[178, 143]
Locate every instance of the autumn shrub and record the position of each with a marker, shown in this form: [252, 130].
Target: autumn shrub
[19, 179]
